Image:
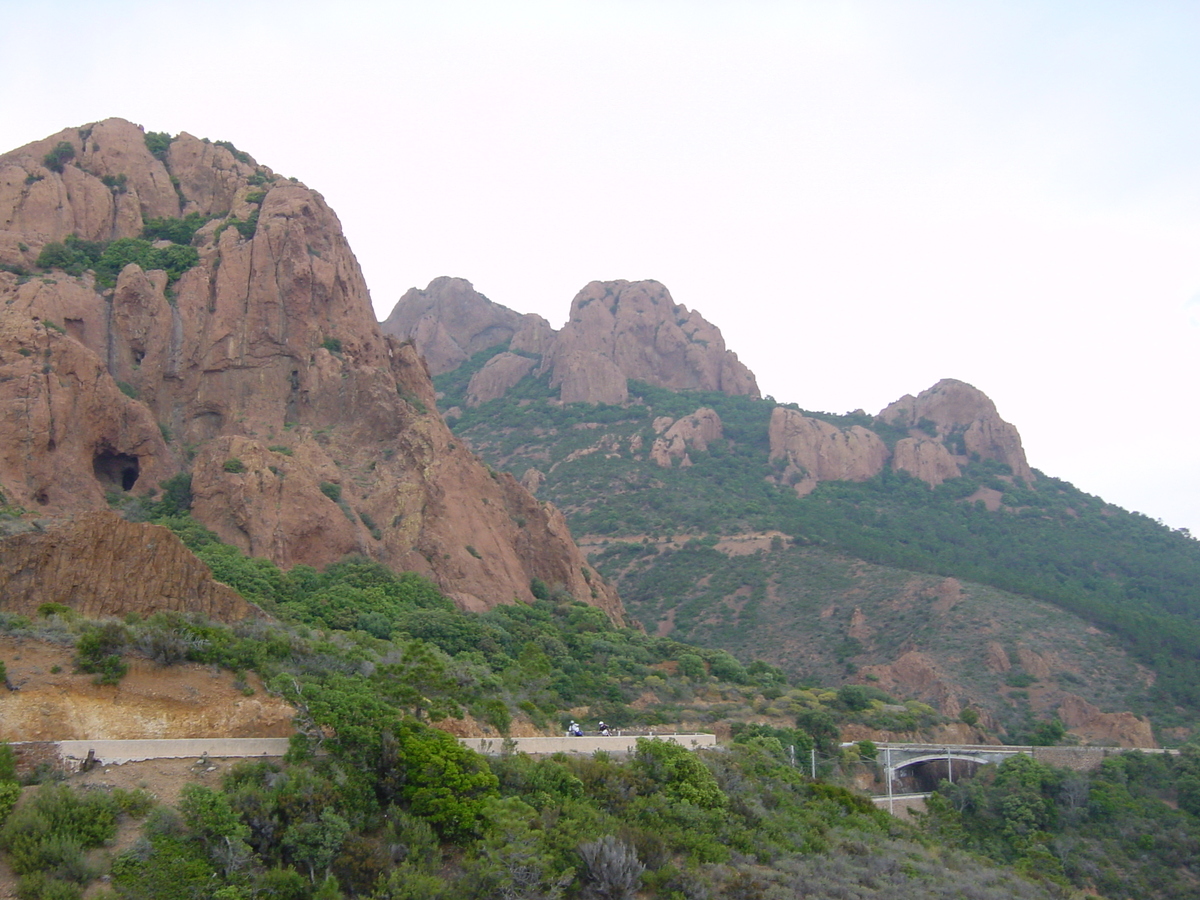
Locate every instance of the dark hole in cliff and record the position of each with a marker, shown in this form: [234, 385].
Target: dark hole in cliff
[41, 498]
[138, 356]
[116, 470]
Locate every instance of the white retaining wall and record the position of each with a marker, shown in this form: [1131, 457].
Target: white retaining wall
[588, 744]
[117, 752]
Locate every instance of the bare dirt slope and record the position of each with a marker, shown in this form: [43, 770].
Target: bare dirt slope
[49, 701]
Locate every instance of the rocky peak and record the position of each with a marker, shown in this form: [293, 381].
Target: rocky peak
[964, 420]
[638, 330]
[450, 321]
[260, 370]
[617, 330]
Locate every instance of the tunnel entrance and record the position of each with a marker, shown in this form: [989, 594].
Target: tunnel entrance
[116, 471]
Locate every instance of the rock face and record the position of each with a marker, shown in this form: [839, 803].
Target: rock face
[498, 374]
[965, 421]
[948, 425]
[261, 370]
[811, 450]
[646, 336]
[618, 330]
[450, 322]
[1121, 728]
[694, 432]
[103, 566]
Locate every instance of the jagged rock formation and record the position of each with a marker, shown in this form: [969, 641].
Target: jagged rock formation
[450, 322]
[812, 450]
[617, 330]
[695, 432]
[948, 425]
[102, 566]
[307, 432]
[964, 421]
[645, 335]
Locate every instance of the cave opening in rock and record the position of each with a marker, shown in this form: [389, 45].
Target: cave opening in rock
[116, 471]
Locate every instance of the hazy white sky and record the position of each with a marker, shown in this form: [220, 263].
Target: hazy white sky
[864, 196]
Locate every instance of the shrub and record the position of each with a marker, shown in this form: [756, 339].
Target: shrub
[118, 183]
[234, 465]
[98, 651]
[57, 158]
[613, 869]
[332, 491]
[158, 142]
[178, 231]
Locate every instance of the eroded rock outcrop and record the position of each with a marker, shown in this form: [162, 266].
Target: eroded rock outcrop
[809, 450]
[963, 419]
[694, 432]
[617, 331]
[925, 459]
[645, 335]
[498, 374]
[450, 321]
[101, 565]
[308, 433]
[1123, 729]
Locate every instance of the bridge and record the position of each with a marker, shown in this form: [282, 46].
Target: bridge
[913, 770]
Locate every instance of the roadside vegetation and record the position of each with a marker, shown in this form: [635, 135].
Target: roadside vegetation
[373, 801]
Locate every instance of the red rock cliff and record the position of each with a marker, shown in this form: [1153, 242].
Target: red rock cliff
[308, 433]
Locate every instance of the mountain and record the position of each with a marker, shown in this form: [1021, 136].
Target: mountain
[174, 310]
[829, 544]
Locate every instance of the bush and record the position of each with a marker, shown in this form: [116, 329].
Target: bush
[98, 651]
[158, 142]
[178, 231]
[57, 158]
[613, 869]
[234, 465]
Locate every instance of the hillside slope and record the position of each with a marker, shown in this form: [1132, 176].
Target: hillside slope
[934, 483]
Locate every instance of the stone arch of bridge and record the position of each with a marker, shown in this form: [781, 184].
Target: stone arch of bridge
[924, 773]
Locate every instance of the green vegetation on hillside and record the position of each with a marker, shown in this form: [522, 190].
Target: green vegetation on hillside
[1119, 571]
[1128, 829]
[372, 802]
[75, 256]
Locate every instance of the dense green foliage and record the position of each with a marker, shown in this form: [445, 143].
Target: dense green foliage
[179, 231]
[1128, 829]
[158, 142]
[75, 256]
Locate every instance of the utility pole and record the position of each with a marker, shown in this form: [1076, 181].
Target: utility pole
[891, 799]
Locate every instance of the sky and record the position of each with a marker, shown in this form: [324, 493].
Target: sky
[865, 197]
